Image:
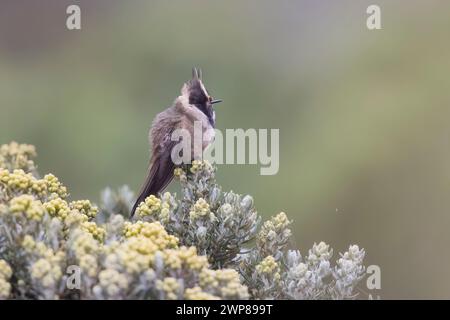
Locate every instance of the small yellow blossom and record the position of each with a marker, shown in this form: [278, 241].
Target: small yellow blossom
[75, 218]
[200, 165]
[28, 206]
[85, 207]
[28, 243]
[5, 269]
[45, 273]
[18, 180]
[151, 230]
[39, 187]
[166, 207]
[274, 226]
[178, 172]
[142, 241]
[280, 221]
[96, 231]
[57, 208]
[5, 288]
[5, 274]
[269, 267]
[88, 263]
[150, 206]
[195, 166]
[13, 149]
[180, 175]
[207, 278]
[4, 175]
[200, 210]
[130, 258]
[184, 257]
[39, 249]
[112, 282]
[196, 293]
[170, 286]
[225, 282]
[17, 156]
[54, 186]
[83, 243]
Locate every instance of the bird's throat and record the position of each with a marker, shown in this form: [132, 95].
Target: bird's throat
[209, 113]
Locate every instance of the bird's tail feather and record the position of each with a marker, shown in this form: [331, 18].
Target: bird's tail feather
[159, 176]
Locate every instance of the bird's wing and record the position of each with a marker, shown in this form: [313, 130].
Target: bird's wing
[160, 173]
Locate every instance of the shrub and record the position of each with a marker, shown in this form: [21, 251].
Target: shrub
[206, 245]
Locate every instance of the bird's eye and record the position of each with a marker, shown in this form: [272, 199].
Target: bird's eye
[209, 98]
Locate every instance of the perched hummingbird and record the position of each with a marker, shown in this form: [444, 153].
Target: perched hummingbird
[193, 105]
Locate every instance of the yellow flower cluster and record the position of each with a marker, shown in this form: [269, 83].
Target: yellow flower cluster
[269, 267]
[57, 208]
[47, 195]
[280, 221]
[158, 209]
[27, 206]
[45, 273]
[46, 270]
[179, 174]
[200, 165]
[153, 231]
[165, 207]
[170, 286]
[274, 226]
[137, 253]
[75, 218]
[142, 250]
[40, 250]
[18, 181]
[5, 274]
[112, 282]
[96, 231]
[14, 149]
[224, 282]
[196, 166]
[196, 293]
[55, 187]
[85, 249]
[85, 207]
[200, 210]
[83, 243]
[17, 156]
[184, 257]
[133, 256]
[150, 206]
[89, 265]
[76, 213]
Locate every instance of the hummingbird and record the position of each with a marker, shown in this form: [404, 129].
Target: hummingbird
[193, 105]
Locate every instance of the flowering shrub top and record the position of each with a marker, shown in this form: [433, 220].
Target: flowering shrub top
[207, 245]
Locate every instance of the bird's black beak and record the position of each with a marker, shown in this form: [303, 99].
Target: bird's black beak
[216, 101]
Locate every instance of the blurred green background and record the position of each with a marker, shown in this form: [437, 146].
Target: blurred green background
[363, 115]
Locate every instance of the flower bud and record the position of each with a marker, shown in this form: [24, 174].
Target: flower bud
[247, 203]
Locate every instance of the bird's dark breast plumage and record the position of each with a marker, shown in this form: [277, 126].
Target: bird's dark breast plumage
[209, 112]
[199, 97]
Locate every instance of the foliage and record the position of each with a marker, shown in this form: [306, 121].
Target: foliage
[206, 245]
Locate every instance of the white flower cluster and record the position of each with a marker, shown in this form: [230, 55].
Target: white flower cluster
[349, 271]
[314, 278]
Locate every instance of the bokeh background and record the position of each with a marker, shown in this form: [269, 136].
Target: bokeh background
[363, 115]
